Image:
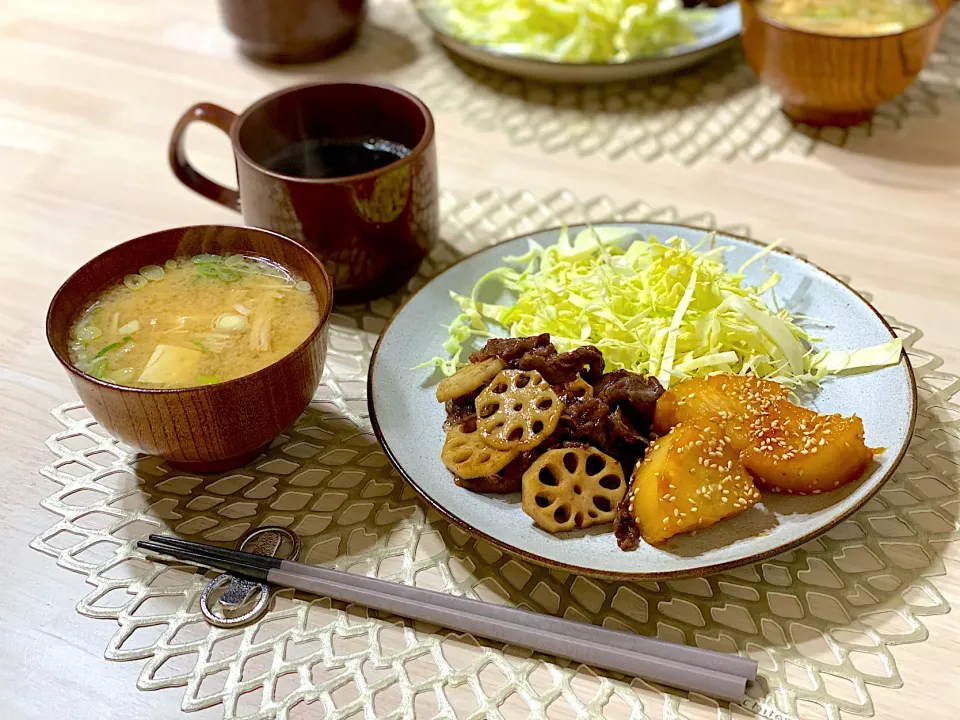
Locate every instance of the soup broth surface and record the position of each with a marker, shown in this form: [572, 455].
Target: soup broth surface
[849, 17]
[194, 321]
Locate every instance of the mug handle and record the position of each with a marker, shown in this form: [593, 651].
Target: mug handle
[187, 174]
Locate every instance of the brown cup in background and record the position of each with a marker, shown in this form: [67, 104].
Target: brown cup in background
[291, 31]
[371, 230]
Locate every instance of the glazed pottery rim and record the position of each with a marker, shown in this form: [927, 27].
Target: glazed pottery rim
[425, 17]
[325, 311]
[415, 152]
[647, 576]
[938, 13]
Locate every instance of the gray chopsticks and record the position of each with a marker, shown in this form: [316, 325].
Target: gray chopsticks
[719, 675]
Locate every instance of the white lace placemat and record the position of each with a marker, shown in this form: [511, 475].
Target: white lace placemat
[821, 620]
[716, 110]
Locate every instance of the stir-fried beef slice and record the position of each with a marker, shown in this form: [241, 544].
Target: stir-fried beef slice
[585, 421]
[462, 410]
[625, 528]
[562, 368]
[510, 349]
[569, 392]
[491, 483]
[639, 392]
[622, 428]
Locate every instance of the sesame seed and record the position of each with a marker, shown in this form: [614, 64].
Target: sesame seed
[693, 509]
[671, 486]
[816, 492]
[723, 499]
[676, 512]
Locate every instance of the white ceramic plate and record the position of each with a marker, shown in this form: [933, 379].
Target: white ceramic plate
[713, 35]
[408, 421]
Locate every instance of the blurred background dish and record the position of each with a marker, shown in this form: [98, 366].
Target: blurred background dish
[292, 31]
[833, 79]
[652, 48]
[204, 428]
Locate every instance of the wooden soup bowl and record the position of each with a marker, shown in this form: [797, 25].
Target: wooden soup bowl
[832, 79]
[209, 428]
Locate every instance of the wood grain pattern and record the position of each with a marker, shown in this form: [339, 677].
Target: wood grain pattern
[372, 230]
[91, 89]
[210, 428]
[832, 80]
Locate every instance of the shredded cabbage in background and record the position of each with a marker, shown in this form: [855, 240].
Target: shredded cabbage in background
[668, 310]
[599, 31]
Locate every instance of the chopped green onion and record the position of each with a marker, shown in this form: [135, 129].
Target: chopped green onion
[207, 380]
[130, 327]
[205, 258]
[171, 264]
[107, 348]
[303, 286]
[199, 345]
[231, 323]
[152, 272]
[209, 270]
[89, 332]
[228, 275]
[98, 368]
[134, 282]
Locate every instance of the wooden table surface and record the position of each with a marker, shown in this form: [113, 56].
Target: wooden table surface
[89, 91]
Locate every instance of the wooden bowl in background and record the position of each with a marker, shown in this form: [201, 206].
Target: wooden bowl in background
[832, 79]
[210, 428]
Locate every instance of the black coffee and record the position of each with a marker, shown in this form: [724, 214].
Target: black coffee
[325, 158]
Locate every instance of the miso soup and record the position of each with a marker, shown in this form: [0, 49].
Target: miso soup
[849, 17]
[194, 321]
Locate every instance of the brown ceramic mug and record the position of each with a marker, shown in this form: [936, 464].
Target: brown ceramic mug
[281, 31]
[371, 229]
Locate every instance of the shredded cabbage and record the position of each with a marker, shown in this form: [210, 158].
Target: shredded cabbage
[599, 31]
[668, 310]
